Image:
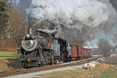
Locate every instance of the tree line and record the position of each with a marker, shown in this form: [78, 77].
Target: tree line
[12, 22]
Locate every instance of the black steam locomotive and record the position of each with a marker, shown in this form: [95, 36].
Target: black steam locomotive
[39, 48]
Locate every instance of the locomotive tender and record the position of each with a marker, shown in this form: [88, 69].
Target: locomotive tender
[40, 48]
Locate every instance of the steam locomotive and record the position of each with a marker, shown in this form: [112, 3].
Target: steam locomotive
[40, 48]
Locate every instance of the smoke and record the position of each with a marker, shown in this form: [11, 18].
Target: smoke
[114, 30]
[114, 34]
[70, 13]
[75, 19]
[48, 31]
[114, 3]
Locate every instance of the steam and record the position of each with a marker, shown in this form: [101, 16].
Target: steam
[75, 19]
[70, 13]
[48, 31]
[115, 34]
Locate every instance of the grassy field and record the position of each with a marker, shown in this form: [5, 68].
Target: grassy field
[100, 71]
[109, 74]
[8, 60]
[8, 55]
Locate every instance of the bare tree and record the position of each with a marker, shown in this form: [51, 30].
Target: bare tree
[17, 27]
[104, 47]
[24, 4]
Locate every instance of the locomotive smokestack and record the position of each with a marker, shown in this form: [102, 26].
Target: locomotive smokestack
[30, 30]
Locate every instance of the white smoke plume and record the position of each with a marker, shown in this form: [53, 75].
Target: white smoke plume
[70, 13]
[77, 19]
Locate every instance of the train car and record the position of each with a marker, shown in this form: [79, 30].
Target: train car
[82, 53]
[86, 53]
[79, 51]
[74, 52]
[89, 53]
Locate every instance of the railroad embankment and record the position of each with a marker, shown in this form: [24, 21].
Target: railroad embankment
[8, 60]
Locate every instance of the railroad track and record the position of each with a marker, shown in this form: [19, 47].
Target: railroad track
[47, 67]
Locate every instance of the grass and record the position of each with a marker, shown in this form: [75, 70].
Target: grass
[8, 55]
[8, 60]
[100, 71]
[115, 64]
[109, 74]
